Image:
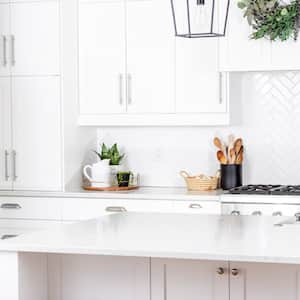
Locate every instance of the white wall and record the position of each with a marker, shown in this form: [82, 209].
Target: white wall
[265, 112]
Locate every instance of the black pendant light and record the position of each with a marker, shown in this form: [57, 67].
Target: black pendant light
[200, 18]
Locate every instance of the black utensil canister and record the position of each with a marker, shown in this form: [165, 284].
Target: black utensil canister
[231, 176]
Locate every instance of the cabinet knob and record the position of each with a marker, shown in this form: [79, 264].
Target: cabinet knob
[277, 213]
[235, 272]
[220, 271]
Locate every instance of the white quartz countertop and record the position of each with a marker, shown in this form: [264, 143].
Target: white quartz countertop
[232, 238]
[176, 193]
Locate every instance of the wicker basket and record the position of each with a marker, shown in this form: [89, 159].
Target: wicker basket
[200, 182]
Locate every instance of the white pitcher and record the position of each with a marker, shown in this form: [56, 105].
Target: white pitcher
[99, 174]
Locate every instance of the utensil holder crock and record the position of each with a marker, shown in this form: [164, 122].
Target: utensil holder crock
[231, 176]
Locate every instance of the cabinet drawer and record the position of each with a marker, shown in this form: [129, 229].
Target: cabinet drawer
[83, 209]
[77, 209]
[14, 227]
[197, 207]
[30, 208]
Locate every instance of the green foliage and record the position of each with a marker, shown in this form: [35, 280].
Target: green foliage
[113, 154]
[271, 20]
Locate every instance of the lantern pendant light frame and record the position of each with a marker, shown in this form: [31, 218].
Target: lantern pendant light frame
[209, 34]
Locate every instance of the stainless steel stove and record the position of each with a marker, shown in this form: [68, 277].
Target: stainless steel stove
[259, 189]
[259, 200]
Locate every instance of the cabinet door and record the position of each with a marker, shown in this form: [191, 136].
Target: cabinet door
[237, 51]
[37, 133]
[189, 279]
[150, 57]
[102, 57]
[35, 38]
[105, 278]
[5, 134]
[200, 88]
[285, 55]
[4, 35]
[255, 281]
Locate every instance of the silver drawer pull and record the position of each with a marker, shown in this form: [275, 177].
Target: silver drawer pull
[235, 213]
[195, 206]
[277, 213]
[11, 206]
[8, 236]
[115, 209]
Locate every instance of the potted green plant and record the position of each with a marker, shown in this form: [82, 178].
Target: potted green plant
[123, 179]
[115, 159]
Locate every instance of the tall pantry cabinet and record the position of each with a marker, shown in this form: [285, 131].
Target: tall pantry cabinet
[30, 97]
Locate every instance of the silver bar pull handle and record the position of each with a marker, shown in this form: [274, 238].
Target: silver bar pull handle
[14, 153]
[220, 88]
[129, 88]
[4, 40]
[8, 236]
[195, 206]
[121, 88]
[6, 154]
[165, 283]
[10, 206]
[115, 209]
[12, 49]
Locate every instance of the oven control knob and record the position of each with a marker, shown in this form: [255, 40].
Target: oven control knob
[277, 214]
[257, 213]
[235, 213]
[297, 215]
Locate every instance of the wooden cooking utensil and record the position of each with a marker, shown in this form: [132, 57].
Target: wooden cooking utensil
[221, 157]
[218, 143]
[240, 156]
[232, 157]
[238, 145]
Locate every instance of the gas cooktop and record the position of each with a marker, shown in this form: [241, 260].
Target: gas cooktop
[260, 189]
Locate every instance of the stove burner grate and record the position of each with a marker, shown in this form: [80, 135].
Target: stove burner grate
[261, 189]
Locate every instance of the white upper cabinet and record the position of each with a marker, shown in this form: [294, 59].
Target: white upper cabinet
[102, 57]
[35, 38]
[133, 71]
[150, 57]
[4, 35]
[200, 88]
[36, 162]
[5, 137]
[238, 52]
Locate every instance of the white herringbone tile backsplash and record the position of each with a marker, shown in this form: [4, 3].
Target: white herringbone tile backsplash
[265, 110]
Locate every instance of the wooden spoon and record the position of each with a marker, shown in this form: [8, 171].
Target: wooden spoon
[220, 145]
[232, 157]
[238, 144]
[221, 157]
[240, 156]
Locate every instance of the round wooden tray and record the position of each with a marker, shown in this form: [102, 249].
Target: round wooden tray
[110, 189]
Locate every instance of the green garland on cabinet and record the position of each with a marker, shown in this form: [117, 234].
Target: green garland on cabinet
[272, 19]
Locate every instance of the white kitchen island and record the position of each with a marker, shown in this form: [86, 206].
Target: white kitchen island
[144, 256]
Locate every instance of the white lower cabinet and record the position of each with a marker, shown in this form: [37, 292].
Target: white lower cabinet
[173, 279]
[254, 281]
[197, 207]
[83, 209]
[105, 278]
[193, 279]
